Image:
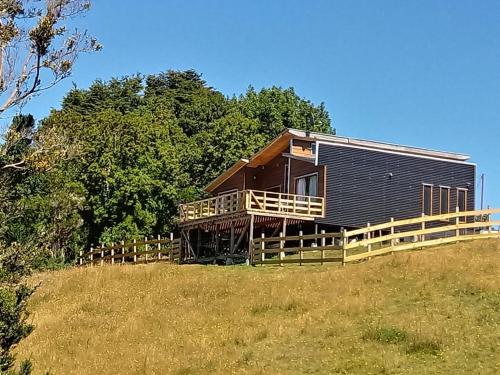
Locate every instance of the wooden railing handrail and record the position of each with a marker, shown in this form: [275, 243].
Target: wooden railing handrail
[422, 219]
[253, 200]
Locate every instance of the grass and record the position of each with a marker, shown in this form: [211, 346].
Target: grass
[435, 311]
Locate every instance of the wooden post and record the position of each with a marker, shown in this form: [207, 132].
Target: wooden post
[422, 237]
[323, 245]
[264, 201]
[102, 254]
[250, 240]
[123, 252]
[309, 205]
[198, 242]
[135, 250]
[231, 242]
[158, 245]
[368, 237]
[171, 250]
[146, 249]
[91, 256]
[112, 253]
[344, 244]
[262, 247]
[392, 232]
[457, 223]
[282, 245]
[301, 245]
[80, 261]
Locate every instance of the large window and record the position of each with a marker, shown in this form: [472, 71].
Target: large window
[444, 200]
[307, 185]
[427, 199]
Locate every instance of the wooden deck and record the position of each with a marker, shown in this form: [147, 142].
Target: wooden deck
[255, 202]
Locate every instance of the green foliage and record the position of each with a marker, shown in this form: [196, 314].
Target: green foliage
[14, 264]
[121, 155]
[388, 335]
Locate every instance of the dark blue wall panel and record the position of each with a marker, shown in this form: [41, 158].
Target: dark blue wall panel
[359, 188]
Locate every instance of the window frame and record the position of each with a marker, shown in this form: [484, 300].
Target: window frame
[304, 176]
[462, 219]
[424, 185]
[448, 189]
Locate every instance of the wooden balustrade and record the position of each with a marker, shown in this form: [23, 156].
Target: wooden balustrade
[254, 201]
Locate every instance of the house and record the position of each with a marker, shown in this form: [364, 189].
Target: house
[312, 181]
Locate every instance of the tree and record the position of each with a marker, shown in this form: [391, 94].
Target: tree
[33, 41]
[37, 51]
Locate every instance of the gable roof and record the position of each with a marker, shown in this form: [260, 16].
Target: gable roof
[278, 144]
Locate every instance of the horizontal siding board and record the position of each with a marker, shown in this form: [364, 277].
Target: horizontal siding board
[359, 190]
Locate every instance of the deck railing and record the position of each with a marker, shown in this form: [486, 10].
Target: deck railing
[255, 201]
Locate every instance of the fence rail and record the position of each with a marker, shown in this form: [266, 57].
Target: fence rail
[374, 240]
[149, 250]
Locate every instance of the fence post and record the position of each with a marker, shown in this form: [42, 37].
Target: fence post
[344, 245]
[102, 254]
[80, 261]
[91, 256]
[135, 250]
[457, 223]
[159, 247]
[171, 250]
[112, 253]
[262, 247]
[123, 251]
[146, 249]
[301, 246]
[392, 232]
[282, 245]
[323, 245]
[422, 237]
[368, 237]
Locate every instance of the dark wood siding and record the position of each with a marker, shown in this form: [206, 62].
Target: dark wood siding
[360, 188]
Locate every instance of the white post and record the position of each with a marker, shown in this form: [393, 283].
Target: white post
[368, 237]
[323, 245]
[146, 248]
[392, 231]
[159, 247]
[282, 245]
[171, 250]
[262, 247]
[112, 253]
[81, 258]
[123, 251]
[301, 246]
[102, 254]
[457, 223]
[135, 250]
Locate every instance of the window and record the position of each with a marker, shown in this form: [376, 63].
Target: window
[427, 199]
[462, 200]
[444, 200]
[307, 185]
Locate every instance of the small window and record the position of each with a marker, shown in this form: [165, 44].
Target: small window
[427, 200]
[444, 200]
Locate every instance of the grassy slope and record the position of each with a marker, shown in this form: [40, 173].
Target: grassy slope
[425, 312]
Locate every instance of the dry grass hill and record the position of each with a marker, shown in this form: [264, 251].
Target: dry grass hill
[425, 312]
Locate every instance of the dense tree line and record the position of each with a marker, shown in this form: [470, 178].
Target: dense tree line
[117, 158]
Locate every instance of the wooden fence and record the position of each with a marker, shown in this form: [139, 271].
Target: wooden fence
[373, 240]
[149, 250]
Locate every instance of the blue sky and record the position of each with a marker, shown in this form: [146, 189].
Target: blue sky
[422, 73]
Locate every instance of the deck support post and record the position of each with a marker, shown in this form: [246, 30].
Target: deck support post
[250, 240]
[231, 242]
[198, 242]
